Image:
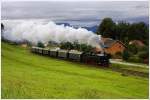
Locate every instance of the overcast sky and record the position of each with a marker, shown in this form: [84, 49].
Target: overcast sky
[74, 0]
[82, 13]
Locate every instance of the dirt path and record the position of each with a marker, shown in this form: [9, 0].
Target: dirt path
[127, 63]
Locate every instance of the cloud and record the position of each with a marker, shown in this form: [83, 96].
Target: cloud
[77, 12]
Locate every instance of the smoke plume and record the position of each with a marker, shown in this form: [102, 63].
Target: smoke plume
[35, 31]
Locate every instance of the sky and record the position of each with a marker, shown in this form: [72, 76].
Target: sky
[74, 0]
[76, 13]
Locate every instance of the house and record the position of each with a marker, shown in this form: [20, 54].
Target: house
[137, 43]
[113, 46]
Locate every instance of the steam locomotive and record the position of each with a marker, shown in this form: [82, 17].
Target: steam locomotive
[74, 55]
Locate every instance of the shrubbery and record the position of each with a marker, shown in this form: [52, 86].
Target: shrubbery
[118, 55]
[136, 54]
[133, 49]
[76, 46]
[135, 59]
[85, 48]
[66, 45]
[40, 44]
[143, 55]
[125, 55]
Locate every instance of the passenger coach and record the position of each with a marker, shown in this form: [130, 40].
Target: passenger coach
[89, 58]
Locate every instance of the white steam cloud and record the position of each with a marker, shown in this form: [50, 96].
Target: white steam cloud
[35, 31]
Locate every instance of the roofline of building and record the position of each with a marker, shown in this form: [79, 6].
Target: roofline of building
[119, 42]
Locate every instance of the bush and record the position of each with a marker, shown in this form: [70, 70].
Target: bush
[144, 48]
[75, 45]
[133, 48]
[125, 55]
[40, 44]
[118, 55]
[143, 54]
[135, 59]
[66, 45]
[85, 48]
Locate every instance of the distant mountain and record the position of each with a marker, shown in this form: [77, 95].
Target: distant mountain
[92, 28]
[65, 24]
[89, 28]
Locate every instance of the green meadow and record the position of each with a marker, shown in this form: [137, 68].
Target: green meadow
[28, 75]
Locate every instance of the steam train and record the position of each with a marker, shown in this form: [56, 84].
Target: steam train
[89, 58]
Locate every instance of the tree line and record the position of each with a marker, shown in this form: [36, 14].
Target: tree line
[127, 32]
[124, 31]
[70, 46]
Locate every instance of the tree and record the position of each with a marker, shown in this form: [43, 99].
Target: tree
[85, 48]
[66, 45]
[76, 45]
[144, 52]
[139, 31]
[2, 26]
[2, 29]
[125, 55]
[40, 44]
[133, 48]
[145, 48]
[122, 29]
[107, 28]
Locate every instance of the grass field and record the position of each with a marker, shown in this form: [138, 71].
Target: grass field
[27, 75]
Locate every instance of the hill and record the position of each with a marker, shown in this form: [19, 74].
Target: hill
[26, 75]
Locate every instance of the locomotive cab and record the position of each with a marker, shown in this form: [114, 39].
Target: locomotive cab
[103, 59]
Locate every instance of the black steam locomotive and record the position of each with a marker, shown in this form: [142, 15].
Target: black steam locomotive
[89, 58]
